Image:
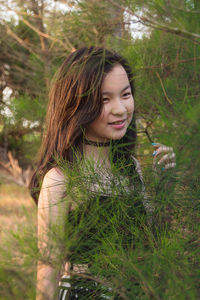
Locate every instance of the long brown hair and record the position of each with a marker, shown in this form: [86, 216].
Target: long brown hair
[75, 101]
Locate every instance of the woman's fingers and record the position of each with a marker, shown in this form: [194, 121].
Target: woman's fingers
[171, 165]
[162, 149]
[167, 158]
[167, 166]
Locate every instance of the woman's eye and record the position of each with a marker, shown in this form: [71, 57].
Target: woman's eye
[105, 100]
[126, 95]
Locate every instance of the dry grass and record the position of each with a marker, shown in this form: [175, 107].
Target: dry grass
[15, 204]
[18, 242]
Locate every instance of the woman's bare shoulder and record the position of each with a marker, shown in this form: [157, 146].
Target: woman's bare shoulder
[51, 203]
[53, 176]
[53, 185]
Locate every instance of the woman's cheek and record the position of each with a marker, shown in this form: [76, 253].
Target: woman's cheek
[131, 110]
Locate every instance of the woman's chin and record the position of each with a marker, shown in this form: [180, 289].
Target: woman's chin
[118, 136]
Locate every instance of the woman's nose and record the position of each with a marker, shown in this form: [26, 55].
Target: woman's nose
[118, 107]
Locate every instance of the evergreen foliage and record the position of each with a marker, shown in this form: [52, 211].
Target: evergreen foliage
[161, 259]
[130, 252]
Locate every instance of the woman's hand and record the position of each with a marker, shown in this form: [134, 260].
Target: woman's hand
[164, 157]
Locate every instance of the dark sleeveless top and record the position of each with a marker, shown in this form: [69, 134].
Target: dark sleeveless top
[106, 210]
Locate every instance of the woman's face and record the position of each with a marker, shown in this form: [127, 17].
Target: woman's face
[118, 108]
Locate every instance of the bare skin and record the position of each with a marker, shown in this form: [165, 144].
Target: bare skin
[51, 211]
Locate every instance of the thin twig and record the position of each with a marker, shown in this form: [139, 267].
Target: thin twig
[163, 88]
[147, 134]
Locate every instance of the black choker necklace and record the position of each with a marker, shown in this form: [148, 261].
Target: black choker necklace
[96, 144]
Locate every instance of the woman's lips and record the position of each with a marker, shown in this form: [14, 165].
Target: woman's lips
[118, 124]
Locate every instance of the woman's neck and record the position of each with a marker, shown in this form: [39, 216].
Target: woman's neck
[100, 155]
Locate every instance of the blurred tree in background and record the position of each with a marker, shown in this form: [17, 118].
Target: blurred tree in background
[33, 45]
[161, 40]
[165, 61]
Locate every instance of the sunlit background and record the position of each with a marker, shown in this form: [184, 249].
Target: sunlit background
[160, 39]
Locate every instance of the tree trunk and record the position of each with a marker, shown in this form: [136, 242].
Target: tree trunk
[196, 4]
[117, 15]
[38, 11]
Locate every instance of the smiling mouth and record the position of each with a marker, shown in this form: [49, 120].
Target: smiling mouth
[118, 122]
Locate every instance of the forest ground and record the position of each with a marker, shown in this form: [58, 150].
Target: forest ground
[14, 201]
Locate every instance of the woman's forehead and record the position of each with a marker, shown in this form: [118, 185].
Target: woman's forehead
[116, 79]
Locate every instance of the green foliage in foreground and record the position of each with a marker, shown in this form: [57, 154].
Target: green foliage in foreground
[161, 259]
[137, 254]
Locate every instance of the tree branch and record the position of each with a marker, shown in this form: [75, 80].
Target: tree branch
[172, 63]
[152, 23]
[48, 36]
[18, 39]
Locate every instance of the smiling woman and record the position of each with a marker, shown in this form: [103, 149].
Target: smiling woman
[117, 110]
[96, 194]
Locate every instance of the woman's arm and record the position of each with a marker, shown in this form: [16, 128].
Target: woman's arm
[51, 214]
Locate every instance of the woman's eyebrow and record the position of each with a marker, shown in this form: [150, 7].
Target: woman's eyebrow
[109, 93]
